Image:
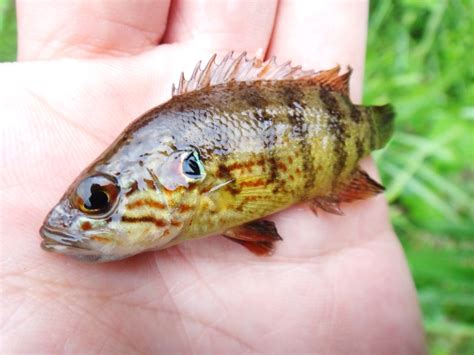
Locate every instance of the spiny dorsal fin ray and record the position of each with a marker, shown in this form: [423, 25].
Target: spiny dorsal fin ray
[243, 69]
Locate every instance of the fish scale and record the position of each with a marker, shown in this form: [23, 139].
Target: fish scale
[273, 152]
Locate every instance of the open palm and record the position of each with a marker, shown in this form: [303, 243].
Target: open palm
[335, 284]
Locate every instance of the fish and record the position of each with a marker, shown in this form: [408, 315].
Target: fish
[240, 140]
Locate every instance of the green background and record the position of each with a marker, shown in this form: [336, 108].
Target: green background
[420, 57]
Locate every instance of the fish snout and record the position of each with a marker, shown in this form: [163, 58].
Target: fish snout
[63, 243]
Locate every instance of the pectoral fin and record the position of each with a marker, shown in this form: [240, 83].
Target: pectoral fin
[360, 187]
[257, 236]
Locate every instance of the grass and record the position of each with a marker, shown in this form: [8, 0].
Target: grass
[420, 58]
[7, 31]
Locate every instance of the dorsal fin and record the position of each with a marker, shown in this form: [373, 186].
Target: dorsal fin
[243, 69]
[331, 79]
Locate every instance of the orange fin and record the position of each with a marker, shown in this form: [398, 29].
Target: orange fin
[257, 236]
[331, 79]
[243, 69]
[360, 187]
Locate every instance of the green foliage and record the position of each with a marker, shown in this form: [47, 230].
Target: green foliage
[7, 31]
[419, 58]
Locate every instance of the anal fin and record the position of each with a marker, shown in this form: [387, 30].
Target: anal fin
[360, 187]
[256, 236]
[325, 204]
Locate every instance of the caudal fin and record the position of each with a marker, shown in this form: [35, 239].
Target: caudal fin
[383, 118]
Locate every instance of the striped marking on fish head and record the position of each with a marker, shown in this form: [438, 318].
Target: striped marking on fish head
[151, 216]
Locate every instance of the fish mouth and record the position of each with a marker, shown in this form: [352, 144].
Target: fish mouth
[58, 241]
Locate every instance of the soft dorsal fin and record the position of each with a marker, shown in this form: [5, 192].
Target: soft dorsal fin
[331, 79]
[243, 69]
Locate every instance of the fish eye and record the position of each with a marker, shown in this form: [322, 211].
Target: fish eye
[96, 194]
[193, 168]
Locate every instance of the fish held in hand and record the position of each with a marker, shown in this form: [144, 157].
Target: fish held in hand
[238, 141]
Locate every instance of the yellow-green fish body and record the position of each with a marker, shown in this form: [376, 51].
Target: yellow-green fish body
[239, 141]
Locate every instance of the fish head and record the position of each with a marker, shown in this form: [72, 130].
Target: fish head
[107, 216]
[83, 224]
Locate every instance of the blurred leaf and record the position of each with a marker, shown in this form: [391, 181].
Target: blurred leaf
[423, 151]
[7, 31]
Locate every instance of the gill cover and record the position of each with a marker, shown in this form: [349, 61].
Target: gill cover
[181, 168]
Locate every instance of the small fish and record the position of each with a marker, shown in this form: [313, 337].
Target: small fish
[238, 141]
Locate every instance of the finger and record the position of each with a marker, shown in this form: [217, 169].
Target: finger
[321, 34]
[85, 29]
[212, 26]
[197, 30]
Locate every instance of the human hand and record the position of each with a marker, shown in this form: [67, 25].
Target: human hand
[335, 284]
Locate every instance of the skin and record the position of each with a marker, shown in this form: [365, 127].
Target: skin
[335, 285]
